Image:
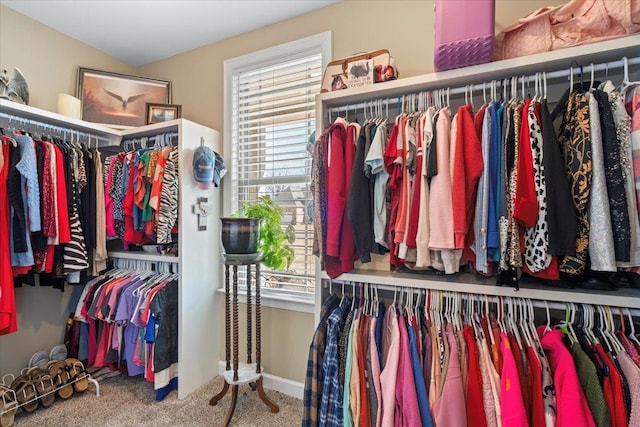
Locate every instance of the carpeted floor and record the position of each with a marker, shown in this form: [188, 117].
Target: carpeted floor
[128, 402]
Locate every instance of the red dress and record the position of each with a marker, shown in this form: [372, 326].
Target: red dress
[8, 322]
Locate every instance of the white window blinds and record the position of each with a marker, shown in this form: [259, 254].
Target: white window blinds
[273, 115]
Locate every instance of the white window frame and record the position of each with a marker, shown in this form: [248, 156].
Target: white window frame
[258, 59]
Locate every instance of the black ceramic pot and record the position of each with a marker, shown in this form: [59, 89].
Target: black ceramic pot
[240, 235]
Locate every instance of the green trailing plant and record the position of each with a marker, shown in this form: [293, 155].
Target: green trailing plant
[274, 241]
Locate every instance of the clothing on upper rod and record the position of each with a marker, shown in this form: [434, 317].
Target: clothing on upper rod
[490, 187]
[50, 209]
[446, 358]
[141, 193]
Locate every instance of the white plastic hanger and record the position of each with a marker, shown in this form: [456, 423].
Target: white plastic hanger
[632, 334]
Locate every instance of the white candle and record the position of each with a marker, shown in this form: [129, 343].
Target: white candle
[68, 106]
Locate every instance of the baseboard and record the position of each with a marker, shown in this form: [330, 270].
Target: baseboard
[272, 382]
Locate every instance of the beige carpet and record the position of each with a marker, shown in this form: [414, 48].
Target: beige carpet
[126, 401]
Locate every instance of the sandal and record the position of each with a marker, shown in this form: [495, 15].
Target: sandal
[25, 392]
[78, 375]
[44, 386]
[8, 406]
[61, 379]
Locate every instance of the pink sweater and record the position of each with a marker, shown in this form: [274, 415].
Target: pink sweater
[572, 408]
[450, 409]
[440, 198]
[510, 388]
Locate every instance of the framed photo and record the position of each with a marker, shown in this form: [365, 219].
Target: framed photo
[117, 99]
[157, 113]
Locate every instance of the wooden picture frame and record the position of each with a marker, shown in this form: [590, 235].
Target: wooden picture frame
[157, 113]
[118, 100]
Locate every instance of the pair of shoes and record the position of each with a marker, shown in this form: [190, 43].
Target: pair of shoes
[68, 375]
[43, 383]
[61, 378]
[41, 358]
[25, 392]
[8, 406]
[79, 377]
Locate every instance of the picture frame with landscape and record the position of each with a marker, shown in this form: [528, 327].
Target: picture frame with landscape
[118, 100]
[157, 113]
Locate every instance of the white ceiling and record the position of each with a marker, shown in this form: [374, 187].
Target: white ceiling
[142, 31]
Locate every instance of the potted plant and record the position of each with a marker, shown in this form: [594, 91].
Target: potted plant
[257, 228]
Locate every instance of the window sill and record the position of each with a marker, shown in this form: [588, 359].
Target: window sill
[282, 302]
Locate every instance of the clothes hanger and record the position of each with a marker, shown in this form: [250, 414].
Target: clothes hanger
[524, 321]
[565, 326]
[600, 329]
[610, 330]
[427, 307]
[547, 327]
[416, 312]
[510, 318]
[632, 333]
[625, 74]
[458, 313]
[592, 323]
[377, 301]
[353, 295]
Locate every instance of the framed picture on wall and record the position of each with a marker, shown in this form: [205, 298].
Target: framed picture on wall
[118, 100]
[157, 113]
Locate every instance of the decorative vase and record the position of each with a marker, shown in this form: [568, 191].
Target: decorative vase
[240, 235]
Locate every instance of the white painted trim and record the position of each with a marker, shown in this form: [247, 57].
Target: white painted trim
[263, 58]
[272, 382]
[259, 58]
[274, 55]
[282, 302]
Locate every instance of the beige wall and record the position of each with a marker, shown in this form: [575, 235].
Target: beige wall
[49, 61]
[404, 27]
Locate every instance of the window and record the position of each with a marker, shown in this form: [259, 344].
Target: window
[269, 117]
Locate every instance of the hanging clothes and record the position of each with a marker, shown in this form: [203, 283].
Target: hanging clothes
[132, 318]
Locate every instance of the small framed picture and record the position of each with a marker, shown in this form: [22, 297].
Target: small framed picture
[157, 113]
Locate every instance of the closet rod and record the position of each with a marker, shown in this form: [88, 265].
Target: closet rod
[153, 139]
[51, 128]
[538, 303]
[586, 70]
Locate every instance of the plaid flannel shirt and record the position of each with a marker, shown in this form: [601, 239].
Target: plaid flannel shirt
[331, 403]
[314, 378]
